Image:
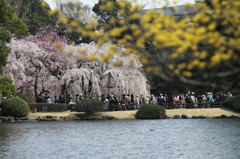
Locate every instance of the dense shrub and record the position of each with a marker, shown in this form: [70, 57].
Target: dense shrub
[233, 103]
[89, 106]
[49, 107]
[151, 111]
[15, 107]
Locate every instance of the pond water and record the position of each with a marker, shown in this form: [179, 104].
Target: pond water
[122, 139]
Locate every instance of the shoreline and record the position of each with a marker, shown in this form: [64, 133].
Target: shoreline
[171, 113]
[124, 115]
[178, 113]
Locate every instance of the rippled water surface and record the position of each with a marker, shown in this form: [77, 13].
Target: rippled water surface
[121, 139]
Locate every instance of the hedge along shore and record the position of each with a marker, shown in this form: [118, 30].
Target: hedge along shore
[210, 112]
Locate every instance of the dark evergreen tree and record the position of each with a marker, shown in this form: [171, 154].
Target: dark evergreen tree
[9, 24]
[33, 13]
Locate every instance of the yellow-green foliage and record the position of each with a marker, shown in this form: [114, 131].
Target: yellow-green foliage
[205, 43]
[184, 35]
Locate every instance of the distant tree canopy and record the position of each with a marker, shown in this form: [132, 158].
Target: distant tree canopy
[112, 17]
[33, 13]
[9, 24]
[77, 14]
[76, 11]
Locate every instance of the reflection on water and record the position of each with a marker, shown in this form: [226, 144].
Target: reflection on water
[120, 139]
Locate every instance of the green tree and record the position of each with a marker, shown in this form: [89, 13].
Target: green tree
[34, 14]
[6, 86]
[9, 24]
[77, 14]
[111, 17]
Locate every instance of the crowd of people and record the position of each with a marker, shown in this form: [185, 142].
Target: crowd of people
[57, 99]
[129, 102]
[177, 101]
[196, 100]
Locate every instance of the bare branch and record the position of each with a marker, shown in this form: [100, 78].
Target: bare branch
[226, 74]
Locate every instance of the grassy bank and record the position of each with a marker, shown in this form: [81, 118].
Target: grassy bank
[212, 112]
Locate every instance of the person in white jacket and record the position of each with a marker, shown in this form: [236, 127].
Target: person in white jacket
[137, 101]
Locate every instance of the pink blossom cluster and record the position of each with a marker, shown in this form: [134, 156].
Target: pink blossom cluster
[35, 64]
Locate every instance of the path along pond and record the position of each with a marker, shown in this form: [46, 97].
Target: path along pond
[122, 139]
